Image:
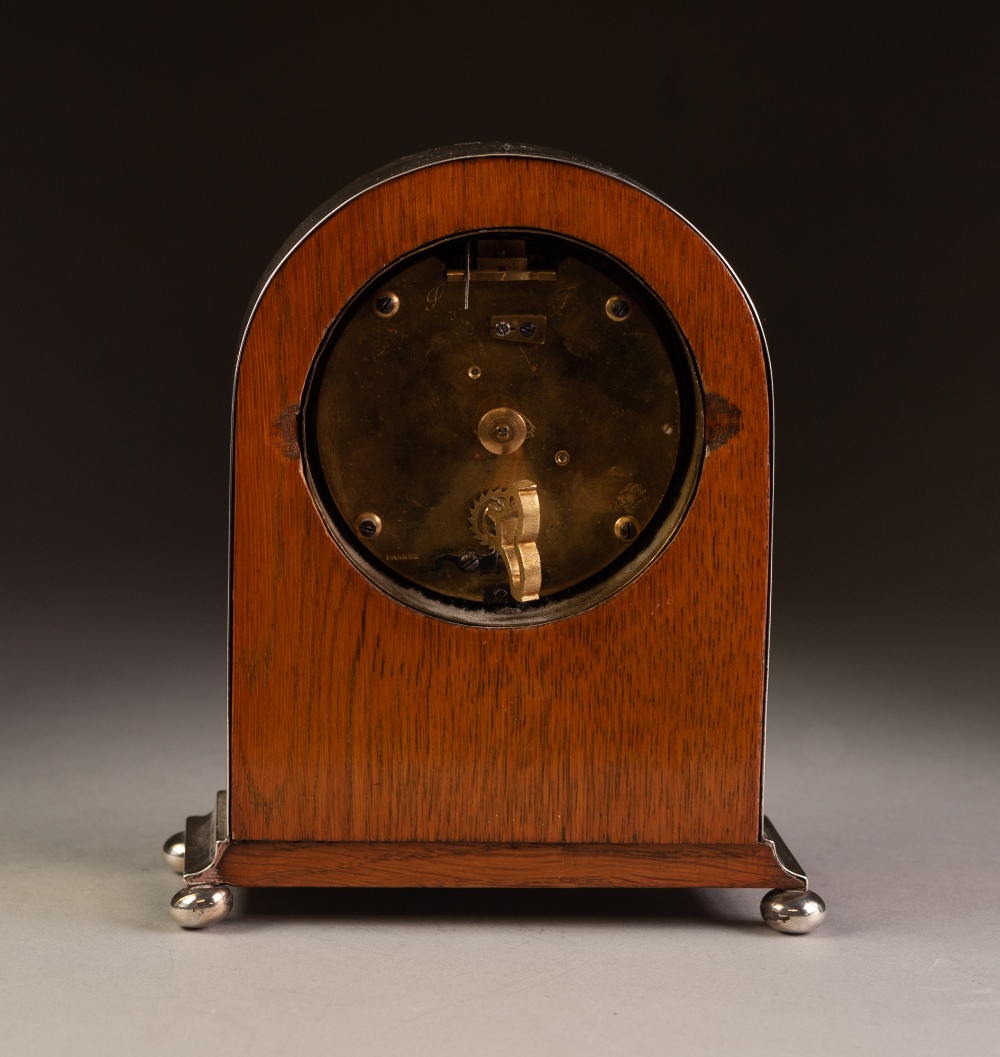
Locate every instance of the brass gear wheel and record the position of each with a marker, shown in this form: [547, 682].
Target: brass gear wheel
[478, 508]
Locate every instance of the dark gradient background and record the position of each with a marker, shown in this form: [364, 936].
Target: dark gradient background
[844, 160]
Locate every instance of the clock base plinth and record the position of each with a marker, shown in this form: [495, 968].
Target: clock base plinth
[212, 860]
[355, 864]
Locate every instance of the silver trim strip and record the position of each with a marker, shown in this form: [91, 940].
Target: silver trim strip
[206, 839]
[786, 860]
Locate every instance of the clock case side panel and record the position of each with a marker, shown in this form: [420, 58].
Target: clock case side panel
[311, 727]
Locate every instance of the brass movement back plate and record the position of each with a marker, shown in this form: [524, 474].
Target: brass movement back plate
[503, 428]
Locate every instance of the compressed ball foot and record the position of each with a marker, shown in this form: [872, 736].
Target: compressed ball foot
[794, 912]
[197, 908]
[173, 852]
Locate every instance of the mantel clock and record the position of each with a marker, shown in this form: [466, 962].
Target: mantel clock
[501, 502]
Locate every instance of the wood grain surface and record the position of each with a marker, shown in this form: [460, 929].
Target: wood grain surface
[442, 865]
[354, 718]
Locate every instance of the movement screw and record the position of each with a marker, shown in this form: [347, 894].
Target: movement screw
[626, 528]
[386, 305]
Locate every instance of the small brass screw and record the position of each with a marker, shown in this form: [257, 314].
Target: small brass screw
[502, 329]
[386, 305]
[368, 526]
[618, 308]
[627, 528]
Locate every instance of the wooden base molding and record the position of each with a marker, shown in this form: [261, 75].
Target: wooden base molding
[356, 864]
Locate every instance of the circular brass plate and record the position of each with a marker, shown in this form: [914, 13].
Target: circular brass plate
[502, 430]
[417, 418]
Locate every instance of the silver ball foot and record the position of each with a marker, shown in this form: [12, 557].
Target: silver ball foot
[173, 852]
[197, 908]
[794, 912]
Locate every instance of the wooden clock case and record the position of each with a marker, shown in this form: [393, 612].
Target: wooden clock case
[375, 745]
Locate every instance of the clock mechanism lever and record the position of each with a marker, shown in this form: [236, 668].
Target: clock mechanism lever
[508, 518]
[468, 561]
